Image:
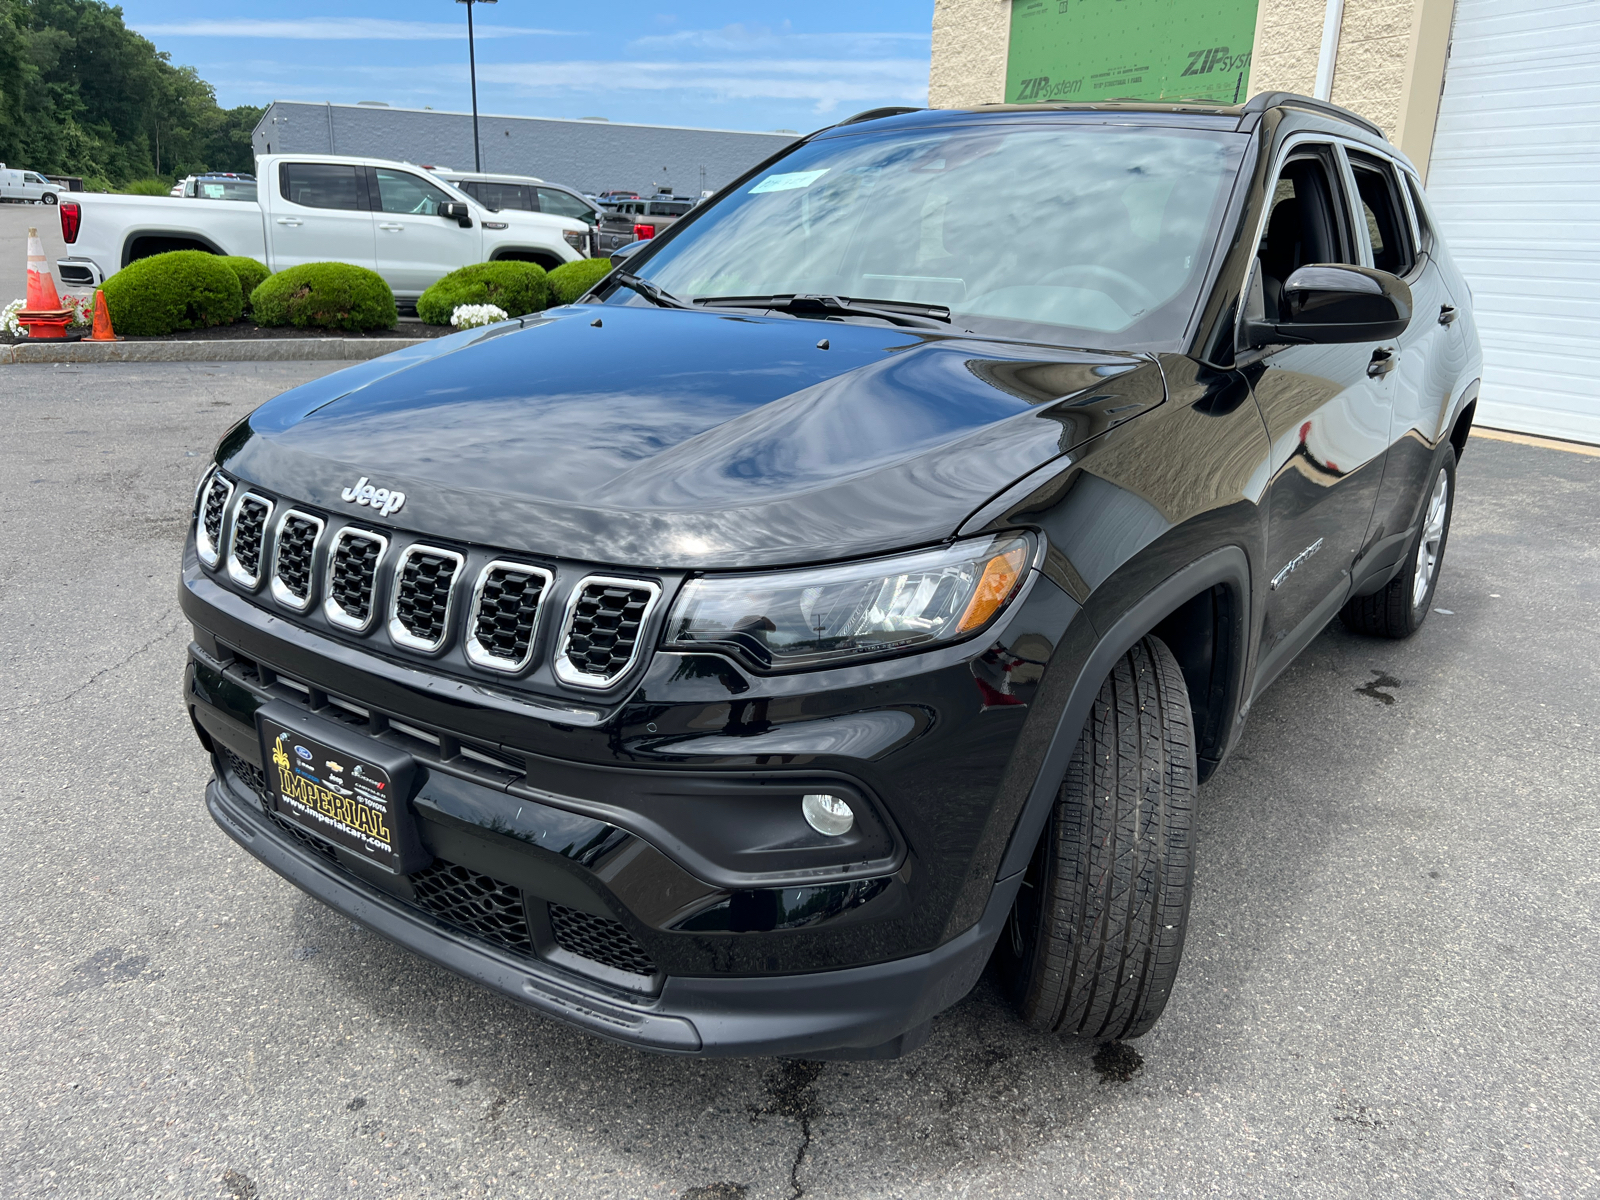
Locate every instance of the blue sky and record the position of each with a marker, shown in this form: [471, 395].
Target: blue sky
[711, 64]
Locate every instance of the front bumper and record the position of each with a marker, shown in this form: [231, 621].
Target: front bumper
[877, 1011]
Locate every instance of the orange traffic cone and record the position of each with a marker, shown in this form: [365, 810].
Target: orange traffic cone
[41, 284]
[102, 320]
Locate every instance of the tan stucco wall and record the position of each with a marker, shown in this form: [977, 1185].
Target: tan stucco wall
[1390, 64]
[970, 41]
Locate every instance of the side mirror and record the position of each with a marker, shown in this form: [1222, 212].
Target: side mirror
[1328, 303]
[622, 253]
[457, 211]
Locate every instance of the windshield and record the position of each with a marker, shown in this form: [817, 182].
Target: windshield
[1023, 230]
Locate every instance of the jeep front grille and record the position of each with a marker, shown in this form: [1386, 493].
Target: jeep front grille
[605, 618]
[423, 582]
[208, 529]
[248, 538]
[505, 613]
[352, 576]
[599, 939]
[293, 559]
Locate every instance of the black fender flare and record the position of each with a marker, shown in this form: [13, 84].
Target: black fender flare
[1228, 566]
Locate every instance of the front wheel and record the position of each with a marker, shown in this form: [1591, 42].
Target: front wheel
[1399, 609]
[1092, 944]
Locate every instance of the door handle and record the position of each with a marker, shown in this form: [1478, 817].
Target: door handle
[392, 228]
[290, 221]
[1383, 361]
[1447, 313]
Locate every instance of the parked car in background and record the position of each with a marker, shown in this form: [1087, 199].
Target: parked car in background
[532, 194]
[217, 185]
[26, 186]
[656, 213]
[394, 218]
[611, 196]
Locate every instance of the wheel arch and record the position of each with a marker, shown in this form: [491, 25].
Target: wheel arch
[162, 241]
[1205, 606]
[1463, 423]
[529, 254]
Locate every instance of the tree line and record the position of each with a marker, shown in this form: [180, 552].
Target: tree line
[82, 94]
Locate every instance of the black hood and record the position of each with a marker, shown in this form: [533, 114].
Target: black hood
[651, 437]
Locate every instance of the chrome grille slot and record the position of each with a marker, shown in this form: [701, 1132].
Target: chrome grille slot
[352, 577]
[424, 580]
[208, 528]
[293, 559]
[605, 619]
[248, 539]
[505, 613]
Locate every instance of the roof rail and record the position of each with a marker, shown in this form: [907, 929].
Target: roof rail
[873, 114]
[1266, 100]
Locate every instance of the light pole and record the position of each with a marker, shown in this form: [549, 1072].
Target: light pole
[472, 66]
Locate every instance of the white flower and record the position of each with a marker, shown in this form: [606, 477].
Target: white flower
[8, 318]
[470, 316]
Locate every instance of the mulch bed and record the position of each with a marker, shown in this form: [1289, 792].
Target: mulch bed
[409, 327]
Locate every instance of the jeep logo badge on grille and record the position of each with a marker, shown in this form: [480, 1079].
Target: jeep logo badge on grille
[381, 499]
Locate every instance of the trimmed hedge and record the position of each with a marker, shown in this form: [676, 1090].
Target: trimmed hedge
[517, 287]
[325, 295]
[573, 279]
[183, 289]
[250, 274]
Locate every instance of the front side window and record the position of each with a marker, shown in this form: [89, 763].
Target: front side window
[1384, 211]
[1058, 231]
[321, 185]
[1304, 225]
[563, 204]
[403, 192]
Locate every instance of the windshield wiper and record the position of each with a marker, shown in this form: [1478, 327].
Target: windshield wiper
[657, 296]
[896, 312]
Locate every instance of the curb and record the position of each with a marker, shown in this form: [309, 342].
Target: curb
[265, 350]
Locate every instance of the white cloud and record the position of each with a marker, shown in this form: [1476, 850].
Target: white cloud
[745, 39]
[825, 83]
[342, 29]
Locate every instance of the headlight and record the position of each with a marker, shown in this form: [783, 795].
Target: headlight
[576, 238]
[787, 620]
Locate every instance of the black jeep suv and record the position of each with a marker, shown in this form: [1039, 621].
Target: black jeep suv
[853, 588]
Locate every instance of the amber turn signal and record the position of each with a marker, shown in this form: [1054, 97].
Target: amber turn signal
[1000, 577]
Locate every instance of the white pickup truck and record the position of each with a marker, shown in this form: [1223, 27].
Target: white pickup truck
[395, 218]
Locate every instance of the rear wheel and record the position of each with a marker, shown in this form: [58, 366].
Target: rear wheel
[1092, 945]
[1400, 608]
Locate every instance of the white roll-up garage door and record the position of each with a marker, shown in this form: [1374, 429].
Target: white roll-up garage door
[1515, 182]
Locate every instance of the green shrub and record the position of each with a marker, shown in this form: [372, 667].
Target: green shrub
[325, 296]
[146, 187]
[573, 279]
[183, 289]
[250, 274]
[517, 287]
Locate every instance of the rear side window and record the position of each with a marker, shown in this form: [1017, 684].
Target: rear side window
[321, 185]
[1385, 215]
[500, 196]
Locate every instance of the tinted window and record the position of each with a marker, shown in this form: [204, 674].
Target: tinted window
[321, 185]
[1097, 228]
[1384, 212]
[501, 195]
[564, 204]
[402, 192]
[668, 208]
[1304, 226]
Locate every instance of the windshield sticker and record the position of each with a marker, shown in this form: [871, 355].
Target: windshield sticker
[786, 183]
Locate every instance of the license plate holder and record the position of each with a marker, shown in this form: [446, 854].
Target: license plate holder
[341, 786]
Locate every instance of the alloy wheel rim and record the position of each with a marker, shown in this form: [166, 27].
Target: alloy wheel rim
[1432, 540]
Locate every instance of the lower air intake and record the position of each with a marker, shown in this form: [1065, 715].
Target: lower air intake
[599, 939]
[475, 902]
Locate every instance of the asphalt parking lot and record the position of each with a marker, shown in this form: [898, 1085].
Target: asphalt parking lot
[1390, 986]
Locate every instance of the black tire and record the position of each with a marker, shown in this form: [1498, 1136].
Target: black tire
[49, 197]
[1093, 942]
[1398, 610]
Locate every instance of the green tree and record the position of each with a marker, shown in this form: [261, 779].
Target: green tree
[82, 94]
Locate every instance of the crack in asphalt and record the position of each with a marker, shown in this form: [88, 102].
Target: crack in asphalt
[98, 675]
[789, 1087]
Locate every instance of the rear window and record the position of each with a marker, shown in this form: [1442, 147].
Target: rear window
[321, 185]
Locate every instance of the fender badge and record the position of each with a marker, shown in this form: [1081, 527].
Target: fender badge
[1295, 562]
[382, 499]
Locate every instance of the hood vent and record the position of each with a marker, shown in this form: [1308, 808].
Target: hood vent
[294, 559]
[423, 581]
[605, 621]
[352, 575]
[505, 613]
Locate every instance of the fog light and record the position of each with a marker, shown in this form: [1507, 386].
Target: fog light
[827, 814]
